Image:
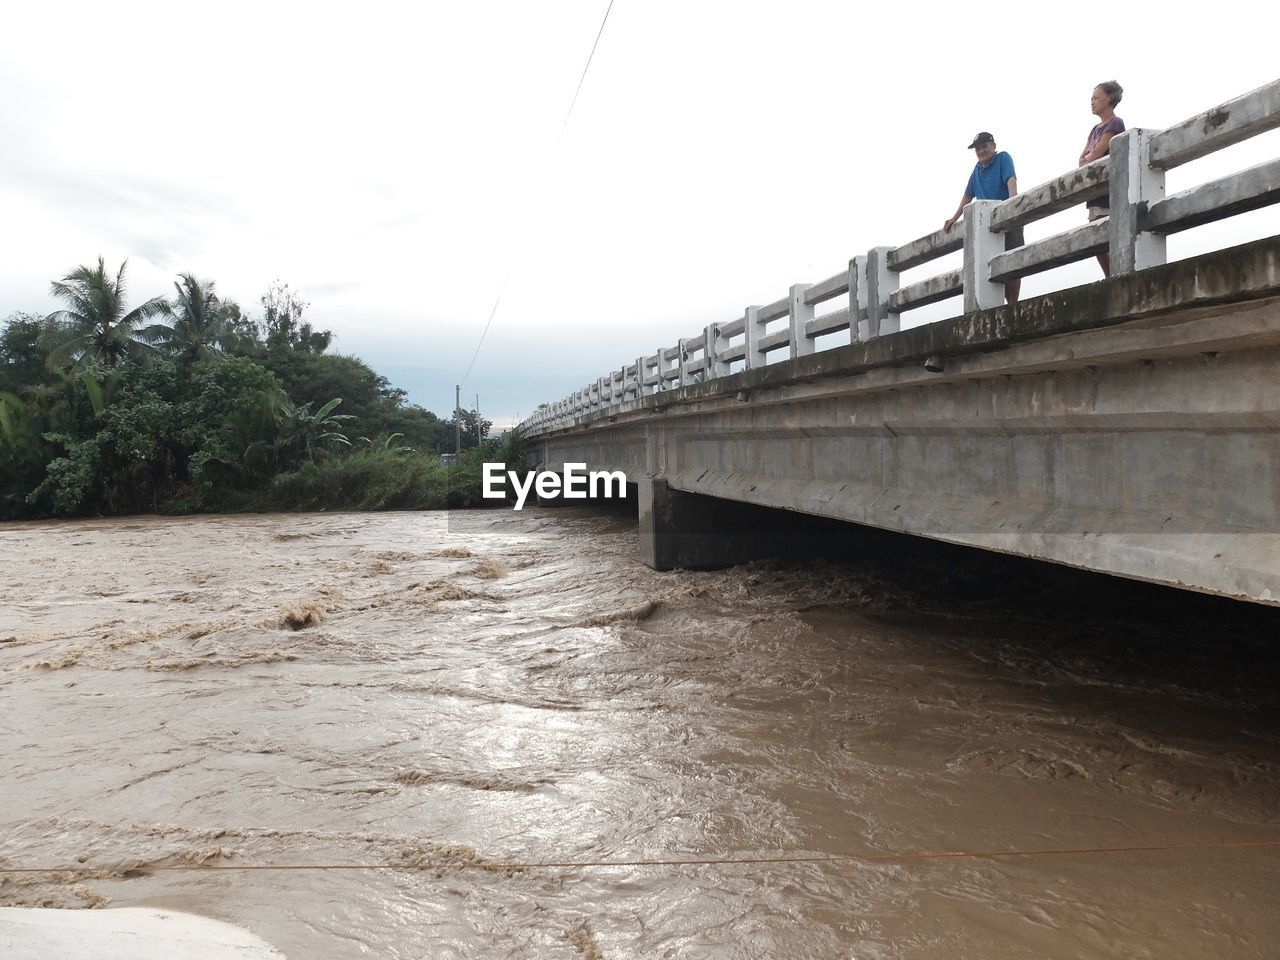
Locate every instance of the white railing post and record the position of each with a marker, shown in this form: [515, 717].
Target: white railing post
[663, 366]
[980, 245]
[859, 304]
[754, 356]
[857, 297]
[881, 281]
[1135, 184]
[801, 313]
[711, 353]
[639, 377]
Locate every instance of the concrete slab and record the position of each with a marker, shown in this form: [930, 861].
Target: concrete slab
[128, 933]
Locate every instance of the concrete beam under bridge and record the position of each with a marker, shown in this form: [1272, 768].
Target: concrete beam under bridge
[697, 532]
[1130, 427]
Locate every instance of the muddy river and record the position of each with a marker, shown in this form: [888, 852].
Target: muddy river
[498, 735]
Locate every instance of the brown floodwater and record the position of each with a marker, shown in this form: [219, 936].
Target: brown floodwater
[400, 713]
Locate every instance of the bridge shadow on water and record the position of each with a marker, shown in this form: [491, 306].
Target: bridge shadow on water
[1113, 630]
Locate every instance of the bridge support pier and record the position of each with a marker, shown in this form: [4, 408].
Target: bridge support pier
[698, 532]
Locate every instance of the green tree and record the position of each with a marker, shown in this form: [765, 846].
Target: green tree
[243, 336]
[283, 328]
[87, 427]
[37, 423]
[123, 450]
[23, 452]
[200, 323]
[379, 408]
[473, 430]
[102, 331]
[234, 402]
[303, 433]
[26, 341]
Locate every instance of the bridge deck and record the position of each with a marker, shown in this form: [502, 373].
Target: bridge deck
[1131, 426]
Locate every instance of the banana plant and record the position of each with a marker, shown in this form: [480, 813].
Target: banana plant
[302, 431]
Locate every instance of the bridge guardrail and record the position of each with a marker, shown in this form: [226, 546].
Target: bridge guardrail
[1141, 216]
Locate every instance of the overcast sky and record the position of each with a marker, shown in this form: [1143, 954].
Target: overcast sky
[397, 163]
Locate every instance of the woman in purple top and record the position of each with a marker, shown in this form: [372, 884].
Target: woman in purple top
[1103, 102]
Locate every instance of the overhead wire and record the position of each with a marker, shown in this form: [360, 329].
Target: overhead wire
[564, 126]
[492, 313]
[582, 79]
[873, 858]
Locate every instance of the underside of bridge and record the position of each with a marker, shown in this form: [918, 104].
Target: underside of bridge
[1130, 427]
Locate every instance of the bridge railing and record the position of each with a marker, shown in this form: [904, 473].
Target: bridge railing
[1140, 217]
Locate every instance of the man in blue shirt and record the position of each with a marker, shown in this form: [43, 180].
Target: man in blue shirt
[993, 178]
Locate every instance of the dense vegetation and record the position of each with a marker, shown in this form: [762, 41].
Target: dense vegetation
[186, 404]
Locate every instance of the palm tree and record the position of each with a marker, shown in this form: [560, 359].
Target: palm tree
[102, 331]
[199, 330]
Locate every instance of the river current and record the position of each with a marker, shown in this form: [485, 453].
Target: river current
[497, 734]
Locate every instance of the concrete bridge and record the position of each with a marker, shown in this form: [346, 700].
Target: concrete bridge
[1130, 426]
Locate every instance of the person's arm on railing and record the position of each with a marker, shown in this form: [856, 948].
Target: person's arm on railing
[964, 202]
[1012, 183]
[1100, 149]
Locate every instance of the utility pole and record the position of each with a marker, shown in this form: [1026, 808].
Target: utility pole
[479, 432]
[457, 418]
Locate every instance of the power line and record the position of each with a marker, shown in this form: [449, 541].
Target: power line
[583, 78]
[572, 103]
[909, 856]
[485, 333]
